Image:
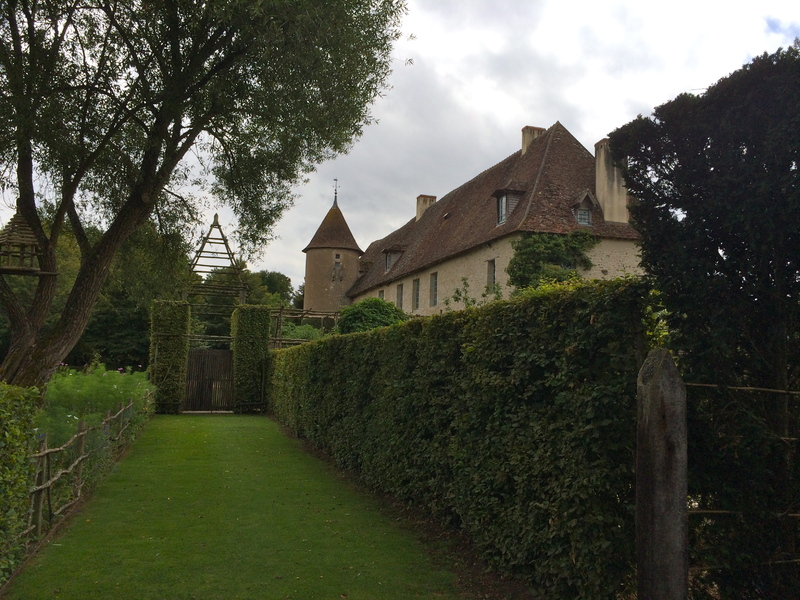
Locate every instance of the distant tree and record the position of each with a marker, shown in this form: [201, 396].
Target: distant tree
[297, 300]
[100, 104]
[369, 314]
[542, 257]
[277, 283]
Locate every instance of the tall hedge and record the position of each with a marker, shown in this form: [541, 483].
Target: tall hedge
[169, 353]
[250, 327]
[515, 421]
[17, 437]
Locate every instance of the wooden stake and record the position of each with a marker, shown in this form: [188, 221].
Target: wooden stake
[662, 521]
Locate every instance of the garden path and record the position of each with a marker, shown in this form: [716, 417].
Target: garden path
[227, 507]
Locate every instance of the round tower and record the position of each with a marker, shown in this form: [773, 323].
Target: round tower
[331, 263]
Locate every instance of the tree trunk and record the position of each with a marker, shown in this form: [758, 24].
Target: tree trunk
[36, 355]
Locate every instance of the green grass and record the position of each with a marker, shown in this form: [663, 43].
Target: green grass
[229, 508]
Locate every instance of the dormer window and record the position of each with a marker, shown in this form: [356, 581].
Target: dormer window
[585, 208]
[502, 209]
[388, 266]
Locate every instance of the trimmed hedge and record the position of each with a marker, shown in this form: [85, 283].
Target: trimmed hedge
[250, 326]
[169, 353]
[18, 406]
[515, 421]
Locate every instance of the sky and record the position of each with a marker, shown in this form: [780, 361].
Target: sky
[469, 74]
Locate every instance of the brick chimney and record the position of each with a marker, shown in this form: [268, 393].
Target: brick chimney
[529, 134]
[423, 202]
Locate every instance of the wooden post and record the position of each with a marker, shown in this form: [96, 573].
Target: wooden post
[80, 445]
[662, 520]
[38, 496]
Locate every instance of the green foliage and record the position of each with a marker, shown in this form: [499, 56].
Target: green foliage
[250, 326]
[88, 394]
[717, 202]
[515, 421]
[369, 314]
[545, 257]
[169, 353]
[17, 411]
[103, 104]
[303, 331]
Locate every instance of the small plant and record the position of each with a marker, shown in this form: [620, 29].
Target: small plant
[461, 295]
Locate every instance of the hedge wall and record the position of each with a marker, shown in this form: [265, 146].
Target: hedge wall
[169, 353]
[515, 421]
[250, 326]
[17, 436]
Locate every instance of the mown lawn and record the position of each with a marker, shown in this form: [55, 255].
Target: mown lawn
[226, 507]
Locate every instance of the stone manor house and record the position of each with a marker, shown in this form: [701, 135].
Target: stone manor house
[552, 184]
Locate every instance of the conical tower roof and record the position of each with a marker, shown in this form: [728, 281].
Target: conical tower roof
[333, 233]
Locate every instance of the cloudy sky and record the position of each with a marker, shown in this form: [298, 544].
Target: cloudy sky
[469, 74]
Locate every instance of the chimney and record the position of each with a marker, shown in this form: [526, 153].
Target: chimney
[609, 185]
[423, 202]
[529, 134]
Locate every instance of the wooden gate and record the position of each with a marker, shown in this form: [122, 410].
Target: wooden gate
[209, 381]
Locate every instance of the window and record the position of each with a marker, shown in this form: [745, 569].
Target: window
[338, 256]
[434, 289]
[380, 295]
[415, 294]
[490, 273]
[502, 209]
[584, 216]
[388, 256]
[399, 302]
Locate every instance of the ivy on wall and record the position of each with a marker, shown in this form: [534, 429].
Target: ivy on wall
[515, 421]
[169, 353]
[17, 436]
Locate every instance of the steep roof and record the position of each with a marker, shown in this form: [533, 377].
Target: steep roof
[553, 175]
[333, 233]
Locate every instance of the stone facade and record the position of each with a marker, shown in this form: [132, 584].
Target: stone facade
[551, 185]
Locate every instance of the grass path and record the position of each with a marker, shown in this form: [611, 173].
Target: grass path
[226, 507]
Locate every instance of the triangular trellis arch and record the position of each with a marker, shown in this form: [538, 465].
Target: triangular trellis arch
[215, 256]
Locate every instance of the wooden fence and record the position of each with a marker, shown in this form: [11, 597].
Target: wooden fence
[60, 471]
[662, 501]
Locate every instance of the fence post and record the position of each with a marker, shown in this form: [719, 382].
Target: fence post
[662, 520]
[80, 445]
[38, 495]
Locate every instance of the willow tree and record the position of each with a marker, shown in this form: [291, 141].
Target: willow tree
[101, 104]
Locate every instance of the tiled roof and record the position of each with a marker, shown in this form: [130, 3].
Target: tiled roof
[333, 233]
[550, 178]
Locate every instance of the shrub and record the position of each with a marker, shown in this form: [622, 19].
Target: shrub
[17, 410]
[515, 421]
[369, 314]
